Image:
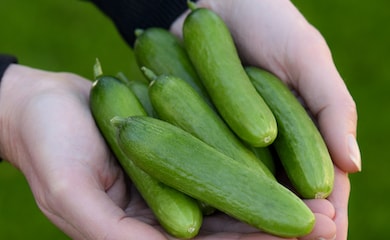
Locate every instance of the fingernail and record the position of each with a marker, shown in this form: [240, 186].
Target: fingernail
[321, 238]
[354, 152]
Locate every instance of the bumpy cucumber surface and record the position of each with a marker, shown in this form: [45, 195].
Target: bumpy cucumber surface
[179, 159]
[212, 51]
[177, 213]
[163, 53]
[178, 103]
[299, 144]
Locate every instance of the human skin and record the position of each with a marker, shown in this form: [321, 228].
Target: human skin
[48, 132]
[274, 35]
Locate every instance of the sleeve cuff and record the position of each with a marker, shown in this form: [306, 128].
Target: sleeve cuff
[129, 15]
[5, 61]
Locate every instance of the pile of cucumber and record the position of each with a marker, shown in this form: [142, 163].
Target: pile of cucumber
[207, 134]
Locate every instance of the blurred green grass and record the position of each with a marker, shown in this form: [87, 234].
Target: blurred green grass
[68, 35]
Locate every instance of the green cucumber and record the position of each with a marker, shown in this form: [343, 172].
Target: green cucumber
[211, 49]
[163, 53]
[179, 214]
[300, 146]
[265, 155]
[184, 162]
[141, 91]
[176, 102]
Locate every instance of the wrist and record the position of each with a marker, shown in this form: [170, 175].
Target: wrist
[7, 75]
[15, 91]
[25, 90]
[5, 62]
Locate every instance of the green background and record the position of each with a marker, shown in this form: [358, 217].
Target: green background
[65, 35]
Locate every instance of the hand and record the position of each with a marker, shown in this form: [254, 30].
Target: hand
[47, 132]
[274, 35]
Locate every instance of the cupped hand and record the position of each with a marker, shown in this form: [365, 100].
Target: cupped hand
[274, 35]
[47, 131]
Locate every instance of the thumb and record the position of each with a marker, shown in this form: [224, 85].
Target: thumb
[84, 211]
[327, 97]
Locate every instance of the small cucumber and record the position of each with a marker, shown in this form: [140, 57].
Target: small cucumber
[300, 146]
[141, 91]
[211, 49]
[163, 53]
[265, 155]
[178, 103]
[179, 214]
[179, 159]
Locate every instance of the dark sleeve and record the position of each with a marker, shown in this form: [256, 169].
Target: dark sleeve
[5, 61]
[129, 15]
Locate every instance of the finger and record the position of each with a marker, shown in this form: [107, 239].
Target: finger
[241, 236]
[313, 74]
[322, 206]
[222, 226]
[68, 229]
[88, 212]
[339, 198]
[324, 228]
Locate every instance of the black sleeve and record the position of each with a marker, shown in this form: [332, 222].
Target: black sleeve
[129, 15]
[5, 61]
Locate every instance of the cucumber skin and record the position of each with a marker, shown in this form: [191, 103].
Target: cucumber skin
[265, 155]
[182, 161]
[300, 146]
[178, 103]
[212, 51]
[163, 53]
[141, 91]
[109, 98]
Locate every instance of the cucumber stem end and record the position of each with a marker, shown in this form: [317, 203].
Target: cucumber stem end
[149, 74]
[191, 5]
[138, 32]
[117, 121]
[97, 69]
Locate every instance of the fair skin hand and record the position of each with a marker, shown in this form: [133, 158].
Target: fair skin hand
[273, 34]
[47, 132]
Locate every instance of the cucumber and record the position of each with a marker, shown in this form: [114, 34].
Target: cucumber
[265, 155]
[186, 163]
[163, 53]
[178, 214]
[211, 49]
[300, 146]
[141, 91]
[176, 102]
